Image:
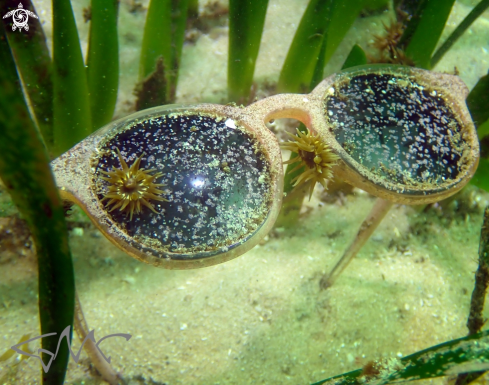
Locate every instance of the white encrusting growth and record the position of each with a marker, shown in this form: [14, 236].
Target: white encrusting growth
[397, 128]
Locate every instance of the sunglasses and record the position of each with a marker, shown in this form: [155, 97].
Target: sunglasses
[192, 186]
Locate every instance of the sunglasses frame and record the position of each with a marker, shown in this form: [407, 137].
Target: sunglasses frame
[74, 170]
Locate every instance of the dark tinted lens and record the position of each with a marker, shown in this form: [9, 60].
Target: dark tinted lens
[401, 131]
[213, 174]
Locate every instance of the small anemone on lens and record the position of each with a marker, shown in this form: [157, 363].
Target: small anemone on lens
[215, 175]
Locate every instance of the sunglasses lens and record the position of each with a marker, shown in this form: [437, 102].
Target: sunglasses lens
[403, 132]
[188, 185]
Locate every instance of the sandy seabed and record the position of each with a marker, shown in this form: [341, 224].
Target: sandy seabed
[261, 318]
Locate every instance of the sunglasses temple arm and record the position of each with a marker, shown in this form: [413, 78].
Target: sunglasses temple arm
[378, 212]
[103, 367]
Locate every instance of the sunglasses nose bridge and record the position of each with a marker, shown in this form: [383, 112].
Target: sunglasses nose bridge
[291, 106]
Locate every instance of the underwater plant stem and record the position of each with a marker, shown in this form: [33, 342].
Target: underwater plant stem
[462, 27]
[323, 26]
[164, 34]
[455, 356]
[81, 327]
[476, 320]
[25, 171]
[157, 38]
[179, 23]
[193, 9]
[103, 61]
[291, 206]
[423, 31]
[345, 13]
[246, 21]
[356, 57]
[299, 191]
[305, 47]
[478, 102]
[71, 104]
[34, 65]
[378, 212]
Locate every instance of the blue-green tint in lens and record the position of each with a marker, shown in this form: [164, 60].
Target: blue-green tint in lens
[405, 131]
[397, 129]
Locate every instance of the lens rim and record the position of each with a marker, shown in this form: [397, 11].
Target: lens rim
[454, 92]
[80, 160]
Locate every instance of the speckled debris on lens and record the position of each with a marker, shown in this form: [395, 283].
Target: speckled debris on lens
[399, 129]
[215, 175]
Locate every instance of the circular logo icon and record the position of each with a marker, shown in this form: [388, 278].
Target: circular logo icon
[20, 17]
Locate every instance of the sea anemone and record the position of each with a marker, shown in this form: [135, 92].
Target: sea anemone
[389, 40]
[130, 187]
[388, 45]
[314, 155]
